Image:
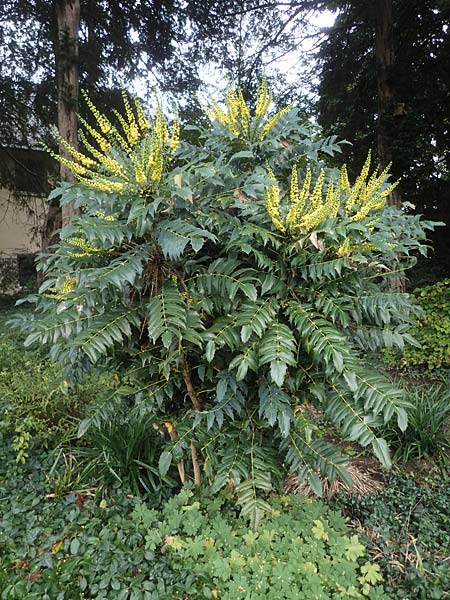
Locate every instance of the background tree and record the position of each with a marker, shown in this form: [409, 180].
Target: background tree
[414, 114]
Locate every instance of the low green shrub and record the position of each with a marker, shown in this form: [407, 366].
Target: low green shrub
[73, 547]
[33, 405]
[124, 446]
[407, 526]
[82, 546]
[432, 329]
[302, 550]
[427, 434]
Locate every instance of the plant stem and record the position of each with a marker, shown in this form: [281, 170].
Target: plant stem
[195, 465]
[187, 380]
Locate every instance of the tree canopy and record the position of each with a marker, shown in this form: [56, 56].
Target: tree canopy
[419, 118]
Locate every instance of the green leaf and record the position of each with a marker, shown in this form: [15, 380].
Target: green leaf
[164, 462]
[74, 546]
[278, 347]
[381, 451]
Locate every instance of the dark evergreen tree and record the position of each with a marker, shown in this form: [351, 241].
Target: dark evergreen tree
[416, 117]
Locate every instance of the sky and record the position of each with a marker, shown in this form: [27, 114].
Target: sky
[292, 65]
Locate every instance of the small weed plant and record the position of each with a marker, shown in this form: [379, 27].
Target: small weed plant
[230, 281]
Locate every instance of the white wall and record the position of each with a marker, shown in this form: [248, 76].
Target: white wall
[19, 224]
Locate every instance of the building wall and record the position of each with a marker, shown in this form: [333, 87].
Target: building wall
[20, 224]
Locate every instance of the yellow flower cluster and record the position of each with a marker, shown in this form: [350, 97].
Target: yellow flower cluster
[127, 159]
[365, 195]
[308, 209]
[236, 117]
[272, 202]
[270, 124]
[86, 248]
[69, 284]
[264, 99]
[101, 215]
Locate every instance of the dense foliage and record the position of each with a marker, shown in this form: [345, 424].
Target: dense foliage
[78, 545]
[71, 546]
[407, 527]
[427, 435]
[432, 328]
[418, 119]
[230, 282]
[35, 410]
[301, 551]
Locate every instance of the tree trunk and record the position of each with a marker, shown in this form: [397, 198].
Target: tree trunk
[387, 121]
[385, 59]
[67, 13]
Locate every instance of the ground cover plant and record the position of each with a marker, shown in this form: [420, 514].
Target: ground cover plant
[229, 281]
[79, 545]
[407, 529]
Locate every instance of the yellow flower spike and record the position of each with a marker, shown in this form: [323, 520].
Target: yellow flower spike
[294, 196]
[359, 185]
[272, 202]
[216, 113]
[232, 103]
[263, 100]
[329, 206]
[128, 110]
[133, 134]
[99, 156]
[335, 203]
[306, 186]
[110, 164]
[316, 196]
[142, 119]
[123, 123]
[244, 111]
[68, 285]
[296, 201]
[73, 166]
[274, 120]
[102, 184]
[344, 183]
[378, 181]
[84, 160]
[161, 126]
[389, 190]
[101, 119]
[371, 186]
[140, 176]
[102, 142]
[156, 160]
[175, 137]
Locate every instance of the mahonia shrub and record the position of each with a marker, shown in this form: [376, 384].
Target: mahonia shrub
[231, 281]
